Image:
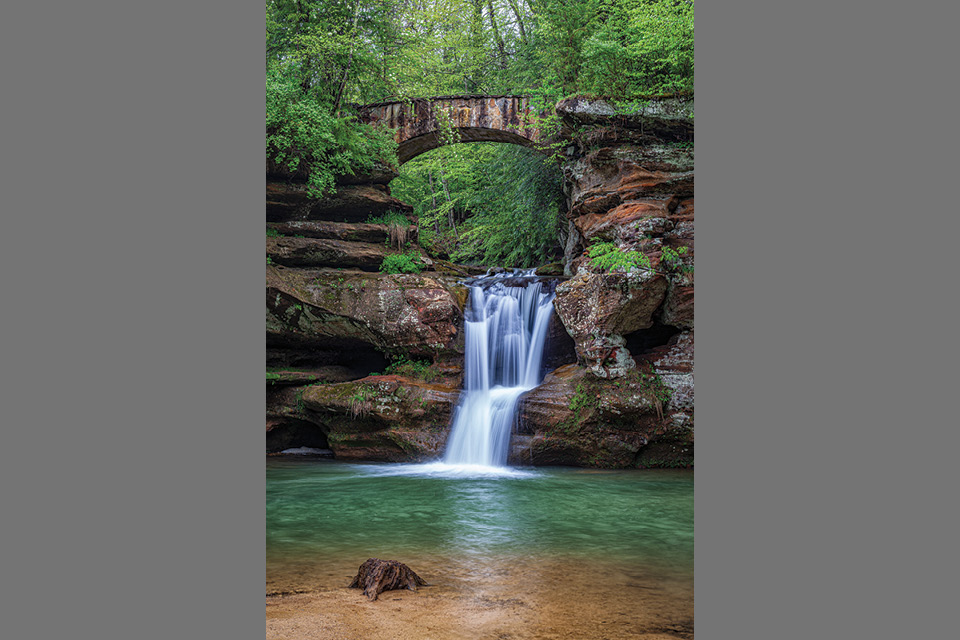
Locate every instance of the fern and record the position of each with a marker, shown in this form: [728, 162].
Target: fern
[607, 257]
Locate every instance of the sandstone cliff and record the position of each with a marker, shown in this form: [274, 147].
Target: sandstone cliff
[620, 354]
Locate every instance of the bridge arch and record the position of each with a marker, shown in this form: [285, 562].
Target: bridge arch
[419, 123]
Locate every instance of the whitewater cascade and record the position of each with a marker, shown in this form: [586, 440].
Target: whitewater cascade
[505, 330]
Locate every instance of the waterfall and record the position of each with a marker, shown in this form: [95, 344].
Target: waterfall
[505, 330]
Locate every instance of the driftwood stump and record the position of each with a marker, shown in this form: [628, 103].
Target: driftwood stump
[376, 576]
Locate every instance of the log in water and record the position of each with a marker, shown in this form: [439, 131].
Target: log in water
[376, 576]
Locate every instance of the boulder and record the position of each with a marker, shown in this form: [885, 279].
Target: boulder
[552, 269]
[676, 112]
[387, 418]
[409, 314]
[574, 418]
[597, 309]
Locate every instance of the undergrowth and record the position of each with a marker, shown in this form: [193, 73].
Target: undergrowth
[419, 369]
[402, 263]
[398, 227]
[607, 257]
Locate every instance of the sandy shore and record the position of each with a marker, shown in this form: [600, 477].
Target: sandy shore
[516, 601]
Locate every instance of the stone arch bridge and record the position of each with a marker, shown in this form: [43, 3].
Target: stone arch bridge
[476, 118]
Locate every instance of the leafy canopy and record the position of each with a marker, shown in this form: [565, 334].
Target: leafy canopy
[323, 57]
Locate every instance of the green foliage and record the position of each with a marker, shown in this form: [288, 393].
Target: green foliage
[361, 401]
[639, 48]
[607, 257]
[419, 369]
[483, 202]
[486, 203]
[583, 398]
[390, 217]
[398, 227]
[299, 405]
[402, 263]
[302, 131]
[273, 233]
[338, 52]
[272, 377]
[670, 260]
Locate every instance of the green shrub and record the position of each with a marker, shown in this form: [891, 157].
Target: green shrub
[390, 217]
[608, 257]
[402, 263]
[670, 260]
[303, 133]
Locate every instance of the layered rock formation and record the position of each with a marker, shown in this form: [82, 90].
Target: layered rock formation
[619, 392]
[386, 418]
[629, 181]
[334, 318]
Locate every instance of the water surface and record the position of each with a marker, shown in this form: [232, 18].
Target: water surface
[325, 517]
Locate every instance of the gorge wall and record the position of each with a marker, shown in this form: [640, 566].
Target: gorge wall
[619, 392]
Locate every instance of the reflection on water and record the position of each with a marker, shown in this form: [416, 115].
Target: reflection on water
[324, 518]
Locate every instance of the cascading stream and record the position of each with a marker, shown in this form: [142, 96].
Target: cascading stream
[505, 330]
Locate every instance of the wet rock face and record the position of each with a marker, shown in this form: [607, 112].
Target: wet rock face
[629, 181]
[386, 418]
[343, 231]
[599, 309]
[350, 203]
[674, 364]
[313, 252]
[574, 418]
[408, 314]
[333, 318]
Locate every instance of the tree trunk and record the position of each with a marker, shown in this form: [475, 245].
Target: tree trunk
[443, 181]
[496, 35]
[376, 576]
[433, 200]
[346, 72]
[516, 12]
